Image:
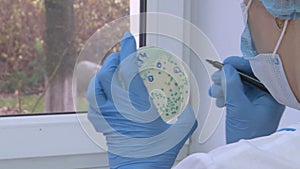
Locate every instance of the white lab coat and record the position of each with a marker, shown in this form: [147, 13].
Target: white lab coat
[280, 150]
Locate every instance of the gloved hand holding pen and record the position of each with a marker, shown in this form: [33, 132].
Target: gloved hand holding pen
[250, 112]
[136, 135]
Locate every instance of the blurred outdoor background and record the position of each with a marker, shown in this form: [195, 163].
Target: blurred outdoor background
[40, 41]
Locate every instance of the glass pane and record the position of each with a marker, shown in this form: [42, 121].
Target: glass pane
[40, 41]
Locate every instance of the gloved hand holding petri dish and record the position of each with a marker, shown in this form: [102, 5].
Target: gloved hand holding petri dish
[139, 99]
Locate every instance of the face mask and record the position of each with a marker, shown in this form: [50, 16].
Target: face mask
[267, 67]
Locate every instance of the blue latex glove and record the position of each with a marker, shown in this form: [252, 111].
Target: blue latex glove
[250, 112]
[136, 135]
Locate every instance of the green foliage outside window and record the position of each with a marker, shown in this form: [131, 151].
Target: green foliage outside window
[22, 37]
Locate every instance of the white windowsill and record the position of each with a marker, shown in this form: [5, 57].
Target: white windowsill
[34, 141]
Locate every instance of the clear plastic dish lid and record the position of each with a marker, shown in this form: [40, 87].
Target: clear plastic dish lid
[166, 80]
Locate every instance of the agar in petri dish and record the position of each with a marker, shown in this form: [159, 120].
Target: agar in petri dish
[166, 80]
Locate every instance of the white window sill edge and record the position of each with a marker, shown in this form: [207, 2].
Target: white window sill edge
[29, 141]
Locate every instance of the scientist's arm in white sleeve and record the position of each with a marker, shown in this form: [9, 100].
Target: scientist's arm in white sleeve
[277, 151]
[196, 161]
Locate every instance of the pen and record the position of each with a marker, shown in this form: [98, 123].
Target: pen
[246, 78]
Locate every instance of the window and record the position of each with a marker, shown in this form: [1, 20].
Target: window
[40, 41]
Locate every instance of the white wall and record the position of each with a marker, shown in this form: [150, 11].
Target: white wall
[222, 22]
